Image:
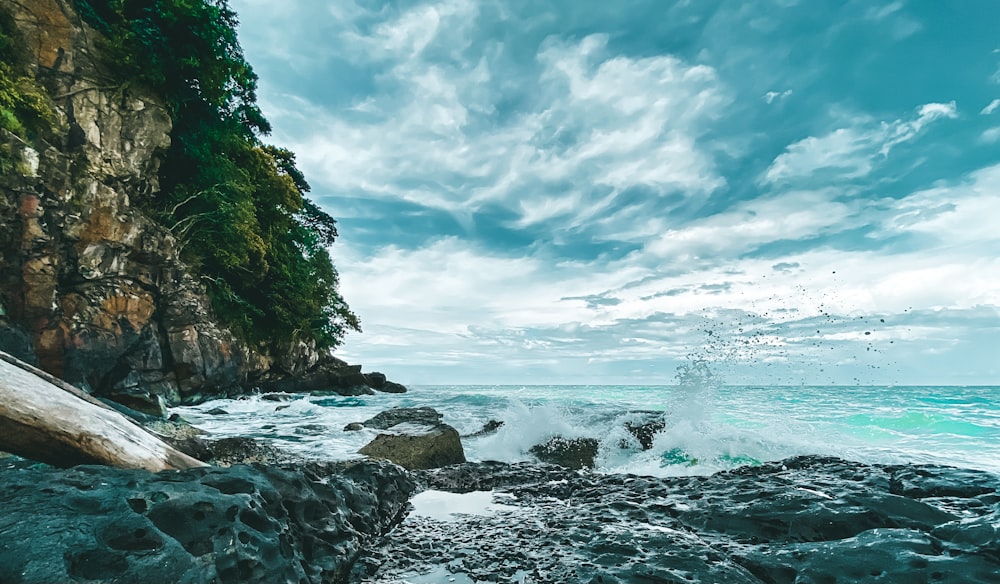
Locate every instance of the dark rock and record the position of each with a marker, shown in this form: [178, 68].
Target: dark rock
[15, 341]
[418, 447]
[138, 416]
[573, 453]
[389, 418]
[393, 387]
[490, 427]
[329, 376]
[217, 412]
[354, 427]
[303, 523]
[140, 400]
[646, 431]
[805, 519]
[278, 397]
[437, 447]
[375, 380]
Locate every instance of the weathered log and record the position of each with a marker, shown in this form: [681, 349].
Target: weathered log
[48, 420]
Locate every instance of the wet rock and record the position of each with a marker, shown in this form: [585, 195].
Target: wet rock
[327, 377]
[217, 412]
[303, 523]
[573, 453]
[354, 427]
[140, 400]
[392, 417]
[489, 428]
[805, 519]
[646, 431]
[418, 447]
[393, 387]
[375, 380]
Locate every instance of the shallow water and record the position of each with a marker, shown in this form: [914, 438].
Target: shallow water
[708, 429]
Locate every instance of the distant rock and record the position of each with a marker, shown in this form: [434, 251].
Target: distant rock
[354, 427]
[330, 376]
[296, 523]
[575, 453]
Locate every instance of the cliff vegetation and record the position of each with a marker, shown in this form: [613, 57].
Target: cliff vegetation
[236, 205]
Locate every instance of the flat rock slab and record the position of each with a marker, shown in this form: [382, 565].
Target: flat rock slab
[258, 523]
[805, 519]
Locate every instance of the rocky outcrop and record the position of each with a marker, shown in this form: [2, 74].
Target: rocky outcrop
[303, 523]
[575, 453]
[416, 438]
[805, 519]
[91, 289]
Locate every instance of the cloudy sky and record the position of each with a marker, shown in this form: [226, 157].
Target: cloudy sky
[583, 191]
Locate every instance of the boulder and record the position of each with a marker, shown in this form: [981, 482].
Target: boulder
[375, 380]
[295, 523]
[418, 447]
[354, 427]
[575, 453]
[391, 417]
[416, 439]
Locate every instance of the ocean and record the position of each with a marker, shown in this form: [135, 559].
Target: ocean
[709, 428]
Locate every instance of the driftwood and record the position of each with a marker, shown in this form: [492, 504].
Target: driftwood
[48, 420]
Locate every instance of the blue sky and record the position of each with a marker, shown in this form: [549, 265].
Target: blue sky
[577, 191]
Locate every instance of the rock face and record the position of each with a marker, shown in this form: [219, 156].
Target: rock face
[92, 290]
[241, 524]
[806, 519]
[417, 439]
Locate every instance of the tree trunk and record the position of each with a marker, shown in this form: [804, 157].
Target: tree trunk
[48, 420]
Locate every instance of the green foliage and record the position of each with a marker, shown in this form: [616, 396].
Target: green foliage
[24, 106]
[236, 204]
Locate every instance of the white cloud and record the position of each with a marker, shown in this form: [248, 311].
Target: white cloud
[854, 151]
[964, 213]
[592, 126]
[991, 107]
[990, 135]
[772, 96]
[750, 224]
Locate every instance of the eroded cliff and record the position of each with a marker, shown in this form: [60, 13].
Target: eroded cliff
[91, 289]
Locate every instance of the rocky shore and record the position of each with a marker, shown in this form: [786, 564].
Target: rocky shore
[803, 519]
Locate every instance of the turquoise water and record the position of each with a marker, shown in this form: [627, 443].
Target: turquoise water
[708, 428]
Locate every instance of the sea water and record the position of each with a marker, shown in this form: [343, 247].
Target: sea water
[708, 428]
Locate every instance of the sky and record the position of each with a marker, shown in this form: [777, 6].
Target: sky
[593, 192]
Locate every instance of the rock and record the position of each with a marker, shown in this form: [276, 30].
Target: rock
[330, 376]
[418, 439]
[418, 447]
[217, 412]
[573, 453]
[296, 523]
[646, 431]
[354, 427]
[391, 417]
[804, 519]
[141, 401]
[375, 380]
[490, 427]
[393, 387]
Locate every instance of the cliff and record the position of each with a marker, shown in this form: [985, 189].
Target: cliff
[91, 289]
